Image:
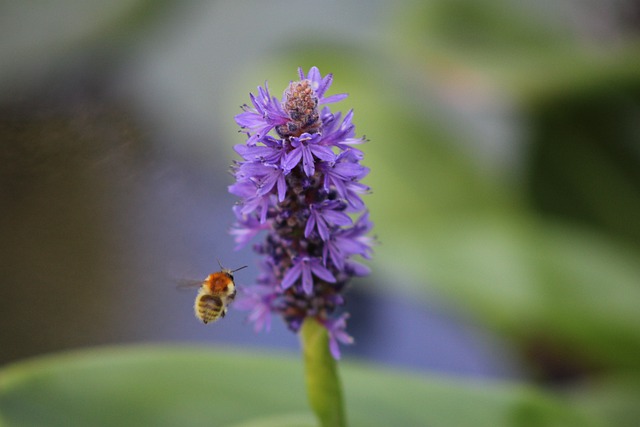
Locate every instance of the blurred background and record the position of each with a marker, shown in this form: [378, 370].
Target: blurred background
[505, 166]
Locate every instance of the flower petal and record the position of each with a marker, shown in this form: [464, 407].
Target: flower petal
[291, 276]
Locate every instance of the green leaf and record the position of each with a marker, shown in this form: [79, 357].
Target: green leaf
[613, 398]
[536, 279]
[445, 222]
[289, 420]
[524, 49]
[164, 386]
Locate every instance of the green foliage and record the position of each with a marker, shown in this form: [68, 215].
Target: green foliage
[163, 386]
[544, 251]
[476, 237]
[471, 25]
[614, 398]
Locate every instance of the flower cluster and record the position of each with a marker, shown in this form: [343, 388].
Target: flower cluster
[299, 183]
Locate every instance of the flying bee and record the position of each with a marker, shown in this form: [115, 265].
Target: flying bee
[215, 294]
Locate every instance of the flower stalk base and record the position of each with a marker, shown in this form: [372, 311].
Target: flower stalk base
[321, 375]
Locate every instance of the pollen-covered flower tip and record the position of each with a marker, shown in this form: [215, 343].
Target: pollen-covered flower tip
[300, 202]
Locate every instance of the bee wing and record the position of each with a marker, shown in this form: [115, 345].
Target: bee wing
[188, 284]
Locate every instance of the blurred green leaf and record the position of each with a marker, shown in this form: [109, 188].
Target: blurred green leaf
[532, 278]
[584, 156]
[444, 220]
[614, 399]
[189, 387]
[290, 420]
[530, 51]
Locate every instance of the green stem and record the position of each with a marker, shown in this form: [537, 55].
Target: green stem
[321, 375]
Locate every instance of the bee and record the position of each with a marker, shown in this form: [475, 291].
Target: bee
[216, 292]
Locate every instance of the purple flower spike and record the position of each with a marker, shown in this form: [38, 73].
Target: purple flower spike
[299, 186]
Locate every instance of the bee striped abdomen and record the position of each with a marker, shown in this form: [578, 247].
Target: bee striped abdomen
[209, 308]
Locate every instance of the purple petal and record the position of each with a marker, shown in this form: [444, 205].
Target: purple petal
[292, 275]
[249, 119]
[336, 330]
[358, 269]
[321, 272]
[307, 280]
[315, 77]
[282, 187]
[324, 153]
[323, 229]
[336, 256]
[334, 348]
[333, 98]
[243, 189]
[311, 223]
[307, 161]
[292, 159]
[348, 171]
[323, 84]
[336, 218]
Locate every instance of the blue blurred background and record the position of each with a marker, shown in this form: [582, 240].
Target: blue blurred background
[504, 153]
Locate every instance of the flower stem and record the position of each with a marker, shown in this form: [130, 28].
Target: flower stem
[321, 374]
